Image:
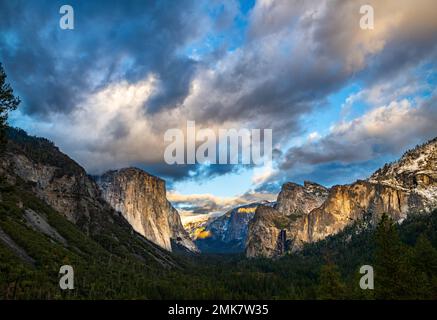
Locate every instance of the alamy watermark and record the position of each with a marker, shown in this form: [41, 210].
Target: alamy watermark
[367, 280]
[67, 279]
[229, 146]
[66, 22]
[367, 21]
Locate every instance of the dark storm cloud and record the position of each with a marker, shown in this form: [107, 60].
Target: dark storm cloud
[299, 53]
[384, 131]
[112, 40]
[270, 187]
[334, 173]
[120, 129]
[289, 59]
[276, 92]
[175, 77]
[191, 171]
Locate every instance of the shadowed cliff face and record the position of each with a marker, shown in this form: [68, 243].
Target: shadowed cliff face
[141, 198]
[264, 231]
[295, 199]
[36, 167]
[310, 213]
[289, 215]
[232, 226]
[54, 178]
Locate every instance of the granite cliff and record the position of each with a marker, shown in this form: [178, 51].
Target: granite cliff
[141, 199]
[309, 213]
[270, 230]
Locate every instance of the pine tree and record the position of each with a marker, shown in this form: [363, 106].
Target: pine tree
[8, 102]
[424, 259]
[394, 275]
[425, 256]
[331, 286]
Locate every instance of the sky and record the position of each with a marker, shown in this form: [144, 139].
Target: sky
[341, 100]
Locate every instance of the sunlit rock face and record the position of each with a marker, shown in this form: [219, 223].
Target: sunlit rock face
[289, 215]
[264, 232]
[350, 202]
[141, 199]
[311, 212]
[196, 225]
[297, 199]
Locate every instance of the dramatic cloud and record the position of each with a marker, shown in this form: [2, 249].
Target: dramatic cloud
[297, 54]
[388, 129]
[107, 91]
[112, 41]
[204, 203]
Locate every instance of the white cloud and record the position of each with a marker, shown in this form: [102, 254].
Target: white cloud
[294, 56]
[202, 203]
[262, 174]
[109, 129]
[313, 136]
[194, 204]
[388, 129]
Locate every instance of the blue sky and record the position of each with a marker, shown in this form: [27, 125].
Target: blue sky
[341, 101]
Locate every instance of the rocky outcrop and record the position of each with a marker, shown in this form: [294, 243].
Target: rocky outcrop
[179, 235]
[54, 178]
[406, 186]
[39, 223]
[231, 232]
[297, 199]
[288, 216]
[310, 213]
[232, 226]
[350, 202]
[415, 173]
[141, 199]
[65, 186]
[196, 225]
[264, 231]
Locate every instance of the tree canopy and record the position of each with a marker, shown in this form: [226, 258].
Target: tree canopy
[8, 101]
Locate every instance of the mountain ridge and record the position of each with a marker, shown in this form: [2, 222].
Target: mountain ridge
[302, 213]
[59, 181]
[403, 187]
